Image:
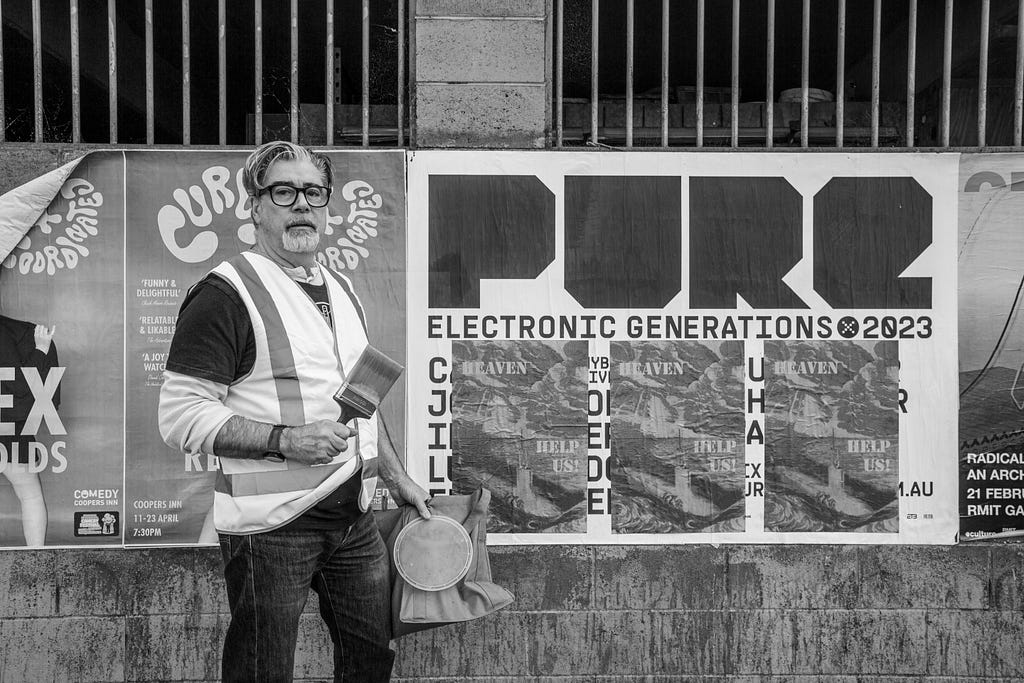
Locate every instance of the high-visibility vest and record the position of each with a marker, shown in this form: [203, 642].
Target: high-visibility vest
[299, 366]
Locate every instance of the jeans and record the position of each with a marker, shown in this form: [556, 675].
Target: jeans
[268, 578]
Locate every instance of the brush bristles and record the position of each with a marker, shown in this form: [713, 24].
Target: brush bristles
[372, 375]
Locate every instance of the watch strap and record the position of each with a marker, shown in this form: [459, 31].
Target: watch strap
[273, 451]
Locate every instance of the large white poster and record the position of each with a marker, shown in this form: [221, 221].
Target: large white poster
[687, 348]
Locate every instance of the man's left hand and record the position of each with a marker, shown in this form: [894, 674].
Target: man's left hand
[405, 490]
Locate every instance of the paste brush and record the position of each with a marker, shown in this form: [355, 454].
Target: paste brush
[367, 382]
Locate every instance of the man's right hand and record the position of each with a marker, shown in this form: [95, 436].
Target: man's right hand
[317, 443]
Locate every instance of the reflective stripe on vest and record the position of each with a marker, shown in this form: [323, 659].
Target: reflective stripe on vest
[298, 367]
[370, 472]
[287, 480]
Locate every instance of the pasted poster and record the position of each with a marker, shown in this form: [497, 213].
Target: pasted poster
[832, 423]
[990, 260]
[61, 377]
[754, 347]
[186, 212]
[677, 433]
[519, 429]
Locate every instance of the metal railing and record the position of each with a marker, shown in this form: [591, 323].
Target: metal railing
[53, 59]
[886, 119]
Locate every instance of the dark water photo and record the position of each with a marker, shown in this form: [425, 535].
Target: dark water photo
[519, 428]
[677, 427]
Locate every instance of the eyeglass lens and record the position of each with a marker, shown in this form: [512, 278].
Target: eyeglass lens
[285, 195]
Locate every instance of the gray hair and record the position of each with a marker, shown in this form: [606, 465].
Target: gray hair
[256, 166]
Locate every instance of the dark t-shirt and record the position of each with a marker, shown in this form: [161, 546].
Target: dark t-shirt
[214, 340]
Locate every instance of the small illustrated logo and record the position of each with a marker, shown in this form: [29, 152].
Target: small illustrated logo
[848, 327]
[97, 523]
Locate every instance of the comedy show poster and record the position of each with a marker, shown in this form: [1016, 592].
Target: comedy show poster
[990, 254]
[61, 419]
[187, 211]
[765, 345]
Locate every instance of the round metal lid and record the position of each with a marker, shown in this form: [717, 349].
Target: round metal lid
[433, 554]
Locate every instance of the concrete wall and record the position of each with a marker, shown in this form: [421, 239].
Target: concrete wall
[20, 163]
[638, 613]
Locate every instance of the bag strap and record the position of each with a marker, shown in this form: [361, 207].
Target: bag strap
[478, 510]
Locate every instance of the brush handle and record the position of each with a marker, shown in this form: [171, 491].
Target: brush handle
[353, 405]
[347, 413]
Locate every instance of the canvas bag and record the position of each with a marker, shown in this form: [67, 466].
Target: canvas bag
[474, 595]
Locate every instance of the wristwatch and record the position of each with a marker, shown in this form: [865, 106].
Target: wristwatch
[273, 452]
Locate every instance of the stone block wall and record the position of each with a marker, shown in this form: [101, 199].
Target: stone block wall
[479, 73]
[582, 613]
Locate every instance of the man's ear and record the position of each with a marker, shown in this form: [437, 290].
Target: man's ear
[254, 209]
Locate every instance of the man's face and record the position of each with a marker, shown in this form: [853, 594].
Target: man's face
[289, 230]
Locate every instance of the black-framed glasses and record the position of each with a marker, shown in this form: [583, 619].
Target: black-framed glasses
[281, 194]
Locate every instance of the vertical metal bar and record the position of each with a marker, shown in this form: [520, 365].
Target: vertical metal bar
[559, 74]
[769, 85]
[3, 105]
[112, 66]
[876, 59]
[258, 68]
[700, 73]
[329, 71]
[983, 72]
[840, 73]
[664, 73]
[805, 61]
[366, 73]
[735, 73]
[37, 68]
[593, 70]
[629, 73]
[911, 70]
[293, 112]
[186, 76]
[1018, 84]
[222, 73]
[947, 74]
[150, 116]
[401, 72]
[76, 82]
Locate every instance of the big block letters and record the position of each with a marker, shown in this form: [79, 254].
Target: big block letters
[624, 239]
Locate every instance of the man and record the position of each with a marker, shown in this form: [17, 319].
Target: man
[261, 346]
[24, 345]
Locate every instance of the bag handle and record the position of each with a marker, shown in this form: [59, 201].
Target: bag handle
[480, 500]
